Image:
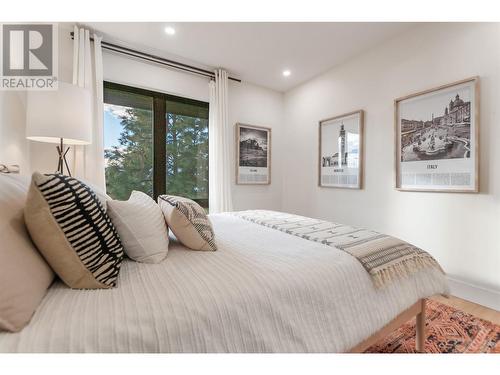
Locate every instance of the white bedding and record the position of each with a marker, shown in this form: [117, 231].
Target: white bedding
[262, 291]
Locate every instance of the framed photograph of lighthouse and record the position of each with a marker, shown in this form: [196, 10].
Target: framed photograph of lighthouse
[340, 161]
[437, 133]
[253, 163]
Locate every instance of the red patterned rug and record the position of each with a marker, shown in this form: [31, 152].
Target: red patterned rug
[448, 331]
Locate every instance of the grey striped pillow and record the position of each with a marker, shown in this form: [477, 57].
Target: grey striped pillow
[71, 229]
[188, 221]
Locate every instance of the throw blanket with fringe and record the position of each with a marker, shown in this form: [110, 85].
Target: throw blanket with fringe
[385, 258]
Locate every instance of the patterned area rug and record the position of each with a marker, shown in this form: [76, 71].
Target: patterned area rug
[448, 331]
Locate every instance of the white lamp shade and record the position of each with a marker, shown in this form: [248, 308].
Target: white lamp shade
[63, 113]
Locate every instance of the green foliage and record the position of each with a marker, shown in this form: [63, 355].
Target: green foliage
[130, 165]
[187, 156]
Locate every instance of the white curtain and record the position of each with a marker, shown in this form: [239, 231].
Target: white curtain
[87, 72]
[220, 158]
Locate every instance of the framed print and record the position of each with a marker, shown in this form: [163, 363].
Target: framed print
[253, 164]
[437, 133]
[341, 151]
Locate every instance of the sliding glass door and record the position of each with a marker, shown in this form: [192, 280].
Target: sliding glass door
[156, 143]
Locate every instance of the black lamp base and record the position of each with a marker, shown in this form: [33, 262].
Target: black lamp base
[62, 159]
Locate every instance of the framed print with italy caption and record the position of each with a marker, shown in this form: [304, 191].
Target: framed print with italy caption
[437, 133]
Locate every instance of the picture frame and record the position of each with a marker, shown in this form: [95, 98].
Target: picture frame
[437, 139]
[342, 132]
[253, 154]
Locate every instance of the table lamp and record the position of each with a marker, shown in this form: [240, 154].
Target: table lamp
[61, 116]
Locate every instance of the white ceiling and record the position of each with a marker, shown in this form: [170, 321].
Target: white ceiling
[255, 52]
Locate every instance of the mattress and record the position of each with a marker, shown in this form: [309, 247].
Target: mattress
[262, 291]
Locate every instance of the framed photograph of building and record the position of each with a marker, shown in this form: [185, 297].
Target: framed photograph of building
[437, 133]
[253, 163]
[340, 161]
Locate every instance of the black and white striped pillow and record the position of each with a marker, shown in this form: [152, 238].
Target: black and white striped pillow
[73, 232]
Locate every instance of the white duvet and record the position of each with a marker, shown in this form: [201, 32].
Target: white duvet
[262, 291]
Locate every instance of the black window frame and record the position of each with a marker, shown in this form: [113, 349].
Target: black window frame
[159, 132]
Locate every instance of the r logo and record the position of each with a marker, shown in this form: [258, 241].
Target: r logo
[27, 50]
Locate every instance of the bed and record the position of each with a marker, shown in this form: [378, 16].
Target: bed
[262, 291]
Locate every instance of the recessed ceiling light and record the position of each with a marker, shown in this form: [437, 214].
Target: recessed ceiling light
[286, 73]
[169, 30]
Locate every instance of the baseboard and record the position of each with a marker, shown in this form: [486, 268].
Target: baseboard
[477, 294]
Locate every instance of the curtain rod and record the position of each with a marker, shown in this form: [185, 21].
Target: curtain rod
[157, 59]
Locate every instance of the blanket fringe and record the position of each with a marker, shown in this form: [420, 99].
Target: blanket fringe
[403, 269]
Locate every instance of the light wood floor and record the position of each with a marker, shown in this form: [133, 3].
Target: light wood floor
[471, 308]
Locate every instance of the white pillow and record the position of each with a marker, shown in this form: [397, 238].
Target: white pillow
[141, 227]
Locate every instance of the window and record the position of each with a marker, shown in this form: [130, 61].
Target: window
[187, 150]
[155, 143]
[128, 143]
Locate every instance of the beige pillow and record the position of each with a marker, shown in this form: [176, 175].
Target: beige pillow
[71, 229]
[188, 221]
[141, 226]
[24, 274]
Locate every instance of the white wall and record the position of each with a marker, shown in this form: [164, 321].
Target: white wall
[254, 105]
[248, 104]
[461, 230]
[13, 145]
[129, 71]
